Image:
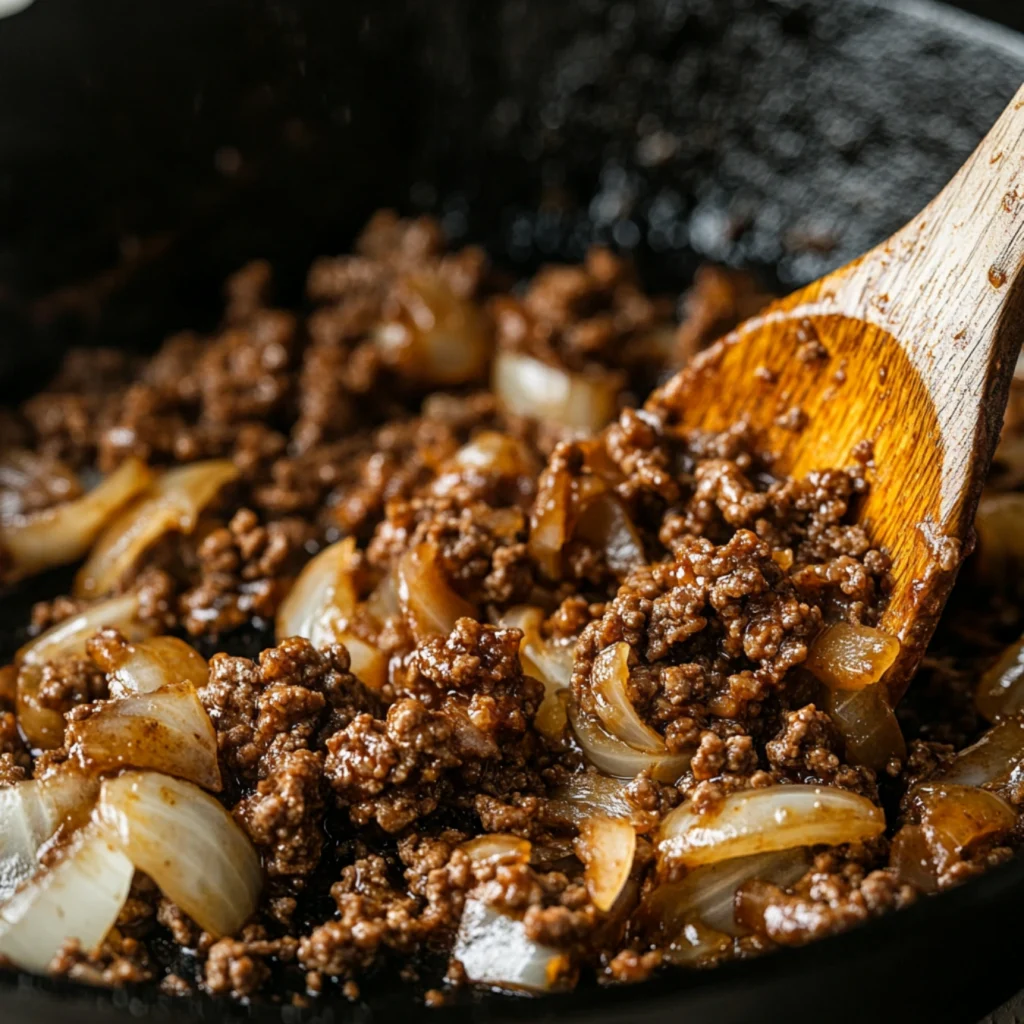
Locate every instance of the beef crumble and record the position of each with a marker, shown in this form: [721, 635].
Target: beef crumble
[426, 755]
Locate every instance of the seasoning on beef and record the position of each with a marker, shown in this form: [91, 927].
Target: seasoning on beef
[575, 643]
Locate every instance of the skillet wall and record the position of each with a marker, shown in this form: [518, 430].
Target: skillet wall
[147, 150]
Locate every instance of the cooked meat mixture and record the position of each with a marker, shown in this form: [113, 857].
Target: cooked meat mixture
[405, 629]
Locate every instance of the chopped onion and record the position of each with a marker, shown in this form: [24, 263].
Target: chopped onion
[849, 657]
[79, 897]
[498, 847]
[608, 680]
[68, 638]
[495, 950]
[30, 813]
[550, 522]
[762, 820]
[187, 843]
[607, 847]
[41, 726]
[172, 503]
[697, 945]
[871, 734]
[64, 533]
[1001, 689]
[147, 666]
[489, 454]
[957, 818]
[707, 894]
[427, 599]
[619, 759]
[586, 794]
[579, 401]
[167, 730]
[550, 661]
[320, 607]
[437, 336]
[990, 761]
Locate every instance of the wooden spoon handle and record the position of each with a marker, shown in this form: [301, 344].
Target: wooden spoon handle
[949, 286]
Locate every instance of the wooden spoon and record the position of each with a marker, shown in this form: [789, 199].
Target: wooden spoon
[905, 354]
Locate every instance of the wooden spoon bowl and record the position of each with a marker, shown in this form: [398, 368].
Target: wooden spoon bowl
[902, 360]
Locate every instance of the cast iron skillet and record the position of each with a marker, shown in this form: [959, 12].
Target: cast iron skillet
[148, 149]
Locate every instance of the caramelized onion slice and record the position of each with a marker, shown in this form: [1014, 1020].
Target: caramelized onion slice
[608, 681]
[1001, 688]
[763, 820]
[320, 607]
[78, 897]
[147, 666]
[167, 730]
[172, 503]
[619, 759]
[999, 524]
[849, 657]
[30, 813]
[550, 661]
[495, 950]
[41, 726]
[187, 843]
[991, 761]
[428, 601]
[579, 401]
[606, 846]
[707, 894]
[957, 819]
[64, 533]
[498, 847]
[68, 638]
[436, 337]
[587, 794]
[871, 734]
[605, 524]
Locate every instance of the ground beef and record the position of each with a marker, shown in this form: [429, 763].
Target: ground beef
[377, 813]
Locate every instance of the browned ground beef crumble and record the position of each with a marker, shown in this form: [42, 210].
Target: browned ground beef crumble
[357, 801]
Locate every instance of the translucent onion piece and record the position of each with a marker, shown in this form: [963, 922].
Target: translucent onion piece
[550, 661]
[172, 503]
[990, 761]
[956, 819]
[707, 894]
[608, 680]
[619, 759]
[187, 843]
[871, 734]
[605, 524]
[697, 945]
[490, 454]
[147, 666]
[1001, 689]
[428, 601]
[763, 820]
[494, 950]
[498, 847]
[998, 524]
[167, 730]
[579, 401]
[30, 813]
[587, 794]
[320, 607]
[41, 726]
[68, 638]
[607, 847]
[550, 521]
[79, 897]
[849, 657]
[64, 533]
[437, 336]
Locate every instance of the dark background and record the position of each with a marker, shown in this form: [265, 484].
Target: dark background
[1009, 12]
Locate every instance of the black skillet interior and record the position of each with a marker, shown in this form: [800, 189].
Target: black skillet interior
[148, 149]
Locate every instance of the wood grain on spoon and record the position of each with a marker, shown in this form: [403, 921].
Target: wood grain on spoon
[909, 350]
